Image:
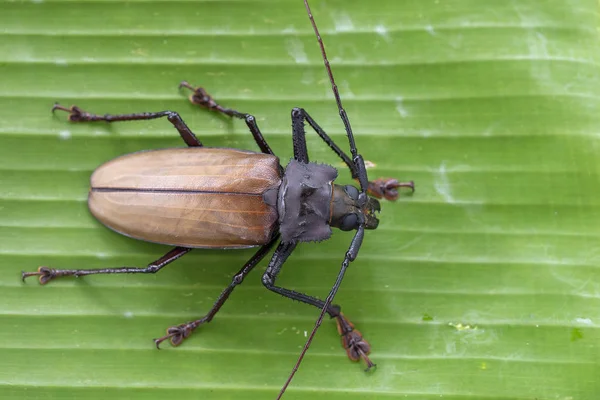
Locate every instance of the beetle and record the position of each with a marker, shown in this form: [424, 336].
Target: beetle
[223, 198]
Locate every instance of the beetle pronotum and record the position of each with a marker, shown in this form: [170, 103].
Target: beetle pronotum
[201, 197]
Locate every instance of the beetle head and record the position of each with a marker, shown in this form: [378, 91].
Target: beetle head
[349, 209]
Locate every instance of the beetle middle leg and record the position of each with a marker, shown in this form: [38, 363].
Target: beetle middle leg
[76, 114]
[177, 334]
[201, 97]
[46, 274]
[355, 345]
[382, 187]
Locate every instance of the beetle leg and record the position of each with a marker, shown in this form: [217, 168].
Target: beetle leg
[177, 334]
[46, 274]
[356, 347]
[382, 187]
[76, 114]
[201, 97]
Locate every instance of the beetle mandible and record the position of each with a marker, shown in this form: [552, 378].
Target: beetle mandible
[223, 198]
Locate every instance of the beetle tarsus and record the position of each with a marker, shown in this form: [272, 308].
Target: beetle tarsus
[199, 96]
[177, 334]
[76, 114]
[388, 188]
[202, 98]
[354, 343]
[45, 274]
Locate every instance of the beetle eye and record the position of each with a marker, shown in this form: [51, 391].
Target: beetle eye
[349, 222]
[351, 191]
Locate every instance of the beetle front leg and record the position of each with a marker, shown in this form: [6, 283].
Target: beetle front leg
[379, 188]
[46, 274]
[355, 345]
[201, 97]
[176, 334]
[76, 114]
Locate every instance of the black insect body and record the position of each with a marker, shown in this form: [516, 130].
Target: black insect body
[235, 199]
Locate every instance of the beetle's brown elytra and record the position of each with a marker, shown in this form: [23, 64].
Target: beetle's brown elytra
[203, 197]
[195, 197]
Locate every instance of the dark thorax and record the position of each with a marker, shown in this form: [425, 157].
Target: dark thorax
[309, 204]
[304, 202]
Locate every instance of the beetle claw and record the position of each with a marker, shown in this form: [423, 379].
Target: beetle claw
[59, 107]
[185, 84]
[388, 188]
[353, 342]
[45, 274]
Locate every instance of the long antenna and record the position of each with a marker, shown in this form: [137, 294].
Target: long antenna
[358, 237]
[350, 256]
[328, 301]
[333, 85]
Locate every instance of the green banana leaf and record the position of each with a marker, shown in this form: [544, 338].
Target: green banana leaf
[484, 284]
